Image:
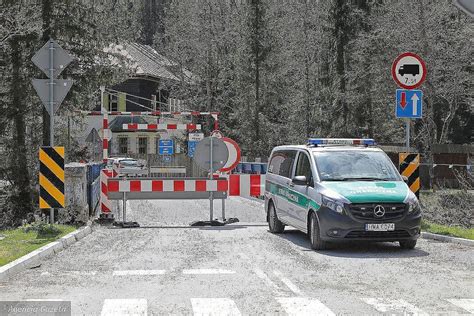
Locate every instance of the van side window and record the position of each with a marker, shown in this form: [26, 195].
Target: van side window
[303, 168]
[282, 163]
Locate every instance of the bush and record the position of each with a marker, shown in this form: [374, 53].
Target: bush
[43, 230]
[449, 207]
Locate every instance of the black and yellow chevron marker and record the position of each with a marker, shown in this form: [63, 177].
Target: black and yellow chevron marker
[51, 177]
[409, 167]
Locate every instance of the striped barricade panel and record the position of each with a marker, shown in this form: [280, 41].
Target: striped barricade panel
[246, 185]
[51, 177]
[409, 165]
[105, 204]
[166, 189]
[154, 127]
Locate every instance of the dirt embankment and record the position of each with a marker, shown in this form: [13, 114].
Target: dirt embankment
[449, 207]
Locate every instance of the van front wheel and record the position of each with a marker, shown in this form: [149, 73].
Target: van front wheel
[315, 234]
[274, 224]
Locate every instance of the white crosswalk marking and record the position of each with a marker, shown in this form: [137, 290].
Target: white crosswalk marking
[303, 306]
[288, 283]
[208, 271]
[214, 306]
[117, 307]
[138, 272]
[390, 305]
[466, 304]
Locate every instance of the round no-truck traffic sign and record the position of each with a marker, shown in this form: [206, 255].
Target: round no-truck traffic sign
[409, 70]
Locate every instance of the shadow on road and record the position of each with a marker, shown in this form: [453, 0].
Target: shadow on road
[356, 249]
[226, 227]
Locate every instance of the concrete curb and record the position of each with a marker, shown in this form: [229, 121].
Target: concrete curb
[456, 240]
[34, 258]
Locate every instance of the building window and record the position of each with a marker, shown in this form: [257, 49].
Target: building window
[123, 145]
[142, 145]
[113, 103]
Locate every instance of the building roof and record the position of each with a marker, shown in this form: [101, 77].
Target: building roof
[147, 62]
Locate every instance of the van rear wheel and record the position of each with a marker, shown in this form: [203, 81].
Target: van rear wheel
[274, 224]
[315, 234]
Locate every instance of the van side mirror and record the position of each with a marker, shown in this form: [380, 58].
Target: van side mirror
[300, 180]
[405, 179]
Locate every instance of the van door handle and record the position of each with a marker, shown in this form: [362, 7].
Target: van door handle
[291, 184]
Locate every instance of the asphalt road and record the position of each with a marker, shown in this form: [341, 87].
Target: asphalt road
[167, 267]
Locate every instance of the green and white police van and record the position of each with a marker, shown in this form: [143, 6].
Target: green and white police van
[340, 190]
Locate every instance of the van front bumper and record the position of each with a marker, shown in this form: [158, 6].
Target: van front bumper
[337, 227]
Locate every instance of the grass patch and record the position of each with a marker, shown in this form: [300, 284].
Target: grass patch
[453, 231]
[20, 241]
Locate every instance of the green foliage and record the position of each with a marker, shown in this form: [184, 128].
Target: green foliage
[18, 242]
[454, 231]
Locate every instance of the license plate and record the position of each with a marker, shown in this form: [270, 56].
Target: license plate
[382, 227]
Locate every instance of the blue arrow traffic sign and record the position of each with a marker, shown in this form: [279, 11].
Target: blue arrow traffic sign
[409, 103]
[191, 148]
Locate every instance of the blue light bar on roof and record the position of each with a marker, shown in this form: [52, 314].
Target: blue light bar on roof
[342, 141]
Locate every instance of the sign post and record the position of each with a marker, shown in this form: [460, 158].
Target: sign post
[409, 72]
[52, 60]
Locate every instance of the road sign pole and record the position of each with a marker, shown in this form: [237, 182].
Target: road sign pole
[51, 108]
[407, 130]
[211, 197]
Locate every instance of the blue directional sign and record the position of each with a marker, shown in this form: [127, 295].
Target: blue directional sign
[166, 147]
[409, 103]
[191, 148]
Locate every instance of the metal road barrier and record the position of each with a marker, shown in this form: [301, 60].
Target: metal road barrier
[166, 188]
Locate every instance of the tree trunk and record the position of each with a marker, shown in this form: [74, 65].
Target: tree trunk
[256, 56]
[341, 39]
[46, 13]
[18, 164]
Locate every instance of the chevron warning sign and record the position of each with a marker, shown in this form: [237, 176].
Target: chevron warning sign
[409, 167]
[51, 177]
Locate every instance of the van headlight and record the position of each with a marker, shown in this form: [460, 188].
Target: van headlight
[413, 206]
[332, 204]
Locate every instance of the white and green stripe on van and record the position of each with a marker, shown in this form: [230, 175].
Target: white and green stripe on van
[293, 196]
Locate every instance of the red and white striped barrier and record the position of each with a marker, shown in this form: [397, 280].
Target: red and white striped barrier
[105, 204]
[246, 185]
[105, 136]
[150, 113]
[117, 185]
[154, 127]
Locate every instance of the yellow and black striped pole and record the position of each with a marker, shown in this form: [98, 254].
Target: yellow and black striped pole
[410, 167]
[51, 177]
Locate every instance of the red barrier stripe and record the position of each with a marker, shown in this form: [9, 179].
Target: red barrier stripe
[105, 124]
[105, 143]
[113, 186]
[178, 185]
[135, 186]
[222, 185]
[200, 186]
[133, 126]
[234, 184]
[152, 126]
[157, 186]
[103, 188]
[254, 185]
[191, 126]
[172, 126]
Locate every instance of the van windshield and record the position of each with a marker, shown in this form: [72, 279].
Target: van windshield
[351, 165]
